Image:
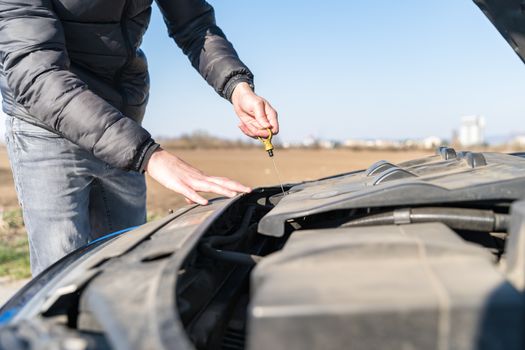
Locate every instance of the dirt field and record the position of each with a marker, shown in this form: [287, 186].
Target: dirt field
[250, 166]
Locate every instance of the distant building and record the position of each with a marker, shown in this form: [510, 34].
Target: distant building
[472, 131]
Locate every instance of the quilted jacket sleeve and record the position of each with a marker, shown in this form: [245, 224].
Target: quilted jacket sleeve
[191, 23]
[36, 66]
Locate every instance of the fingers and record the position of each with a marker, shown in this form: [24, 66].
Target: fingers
[178, 176]
[259, 113]
[249, 125]
[191, 195]
[252, 127]
[230, 184]
[245, 130]
[212, 184]
[271, 114]
[257, 117]
[218, 185]
[208, 186]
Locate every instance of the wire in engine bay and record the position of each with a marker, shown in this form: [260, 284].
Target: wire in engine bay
[208, 247]
[455, 218]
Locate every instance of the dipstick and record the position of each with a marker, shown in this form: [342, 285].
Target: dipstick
[268, 147]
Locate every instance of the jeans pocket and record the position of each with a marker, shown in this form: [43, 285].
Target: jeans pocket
[21, 127]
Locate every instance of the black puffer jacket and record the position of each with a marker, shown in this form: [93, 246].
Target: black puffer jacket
[75, 67]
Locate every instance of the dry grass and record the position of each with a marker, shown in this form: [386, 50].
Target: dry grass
[14, 249]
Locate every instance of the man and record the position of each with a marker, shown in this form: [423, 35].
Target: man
[75, 86]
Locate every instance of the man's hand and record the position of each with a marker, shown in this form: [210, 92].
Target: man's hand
[177, 175]
[255, 113]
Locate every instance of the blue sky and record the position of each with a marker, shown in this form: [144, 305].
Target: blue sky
[347, 69]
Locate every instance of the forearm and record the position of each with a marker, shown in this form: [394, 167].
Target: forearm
[191, 23]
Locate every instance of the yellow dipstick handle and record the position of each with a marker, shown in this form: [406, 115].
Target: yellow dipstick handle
[267, 142]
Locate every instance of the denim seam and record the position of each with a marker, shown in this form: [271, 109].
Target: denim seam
[78, 172]
[16, 165]
[106, 207]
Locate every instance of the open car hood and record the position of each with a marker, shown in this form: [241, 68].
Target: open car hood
[508, 16]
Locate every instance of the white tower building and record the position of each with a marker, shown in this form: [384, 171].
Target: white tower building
[472, 131]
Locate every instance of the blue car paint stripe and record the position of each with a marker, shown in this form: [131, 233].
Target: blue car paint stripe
[7, 315]
[109, 235]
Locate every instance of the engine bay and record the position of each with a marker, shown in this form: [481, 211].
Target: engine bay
[419, 275]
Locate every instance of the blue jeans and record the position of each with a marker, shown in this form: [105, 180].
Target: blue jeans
[68, 196]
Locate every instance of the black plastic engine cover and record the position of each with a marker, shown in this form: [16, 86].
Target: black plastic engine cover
[398, 287]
